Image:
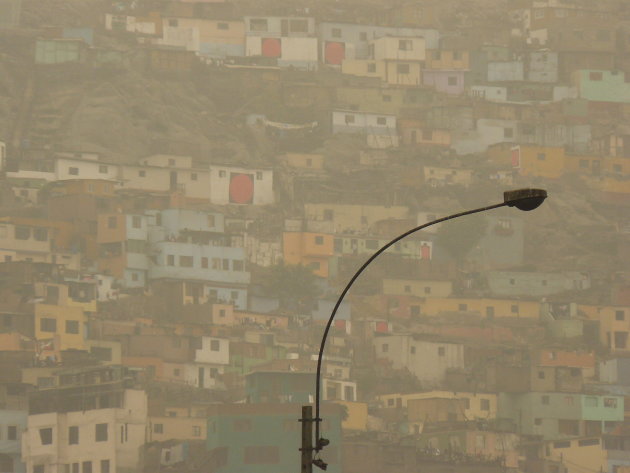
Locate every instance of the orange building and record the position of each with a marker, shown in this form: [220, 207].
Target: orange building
[313, 250]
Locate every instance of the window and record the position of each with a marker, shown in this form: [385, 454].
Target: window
[40, 234]
[101, 432]
[72, 326]
[371, 244]
[402, 69]
[412, 350]
[484, 404]
[544, 400]
[414, 310]
[619, 315]
[73, 171]
[590, 401]
[103, 169]
[22, 233]
[298, 26]
[363, 36]
[437, 55]
[193, 176]
[170, 260]
[242, 425]
[457, 55]
[158, 428]
[6, 464]
[86, 467]
[222, 174]
[349, 119]
[173, 22]
[514, 309]
[136, 221]
[215, 345]
[427, 135]
[384, 348]
[315, 265]
[407, 288]
[538, 421]
[259, 175]
[441, 351]
[452, 81]
[261, 455]
[258, 24]
[508, 133]
[223, 26]
[112, 222]
[238, 265]
[462, 307]
[539, 13]
[48, 325]
[603, 35]
[489, 312]
[45, 435]
[226, 264]
[319, 240]
[336, 33]
[610, 402]
[196, 431]
[371, 67]
[38, 469]
[427, 290]
[204, 262]
[75, 468]
[142, 173]
[186, 261]
[405, 45]
[541, 375]
[595, 76]
[12, 432]
[387, 98]
[104, 466]
[73, 435]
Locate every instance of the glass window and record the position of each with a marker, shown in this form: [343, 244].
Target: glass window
[48, 325]
[101, 432]
[215, 345]
[186, 261]
[72, 326]
[258, 24]
[336, 33]
[46, 436]
[73, 435]
[104, 466]
[22, 233]
[86, 467]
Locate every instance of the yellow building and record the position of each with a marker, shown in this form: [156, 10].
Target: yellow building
[305, 161]
[346, 218]
[176, 428]
[357, 415]
[365, 68]
[65, 324]
[578, 455]
[475, 405]
[448, 60]
[614, 324]
[417, 288]
[434, 306]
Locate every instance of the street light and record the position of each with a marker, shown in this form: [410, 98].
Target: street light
[522, 199]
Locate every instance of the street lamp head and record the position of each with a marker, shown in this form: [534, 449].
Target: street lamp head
[525, 199]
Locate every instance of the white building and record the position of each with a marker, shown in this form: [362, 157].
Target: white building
[236, 185]
[91, 441]
[427, 360]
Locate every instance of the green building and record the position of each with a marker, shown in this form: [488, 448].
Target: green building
[556, 415]
[265, 438]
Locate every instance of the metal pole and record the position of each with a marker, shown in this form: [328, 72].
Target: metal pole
[307, 439]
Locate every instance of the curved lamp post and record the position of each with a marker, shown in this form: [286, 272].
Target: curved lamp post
[522, 199]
